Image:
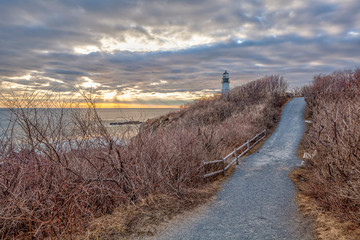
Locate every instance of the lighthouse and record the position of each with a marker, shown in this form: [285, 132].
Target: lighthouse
[225, 83]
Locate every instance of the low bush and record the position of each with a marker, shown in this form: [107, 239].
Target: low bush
[332, 140]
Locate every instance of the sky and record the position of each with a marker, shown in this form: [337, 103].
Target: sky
[165, 53]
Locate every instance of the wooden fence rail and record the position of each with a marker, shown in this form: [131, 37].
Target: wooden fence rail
[247, 146]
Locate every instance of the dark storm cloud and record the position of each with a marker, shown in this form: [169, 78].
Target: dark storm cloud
[62, 44]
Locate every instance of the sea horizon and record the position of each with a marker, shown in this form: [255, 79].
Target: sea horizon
[109, 114]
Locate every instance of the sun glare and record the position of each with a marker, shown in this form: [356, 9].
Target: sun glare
[89, 83]
[109, 95]
[130, 94]
[25, 77]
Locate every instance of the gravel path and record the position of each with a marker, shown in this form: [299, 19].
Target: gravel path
[258, 201]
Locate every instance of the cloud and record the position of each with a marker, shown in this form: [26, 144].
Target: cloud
[172, 48]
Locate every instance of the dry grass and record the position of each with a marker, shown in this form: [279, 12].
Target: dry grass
[145, 218]
[69, 175]
[327, 226]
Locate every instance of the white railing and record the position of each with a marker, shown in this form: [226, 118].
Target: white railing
[249, 144]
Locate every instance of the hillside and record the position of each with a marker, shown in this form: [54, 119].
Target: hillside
[105, 188]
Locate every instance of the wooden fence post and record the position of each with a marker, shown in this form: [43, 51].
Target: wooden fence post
[223, 166]
[236, 156]
[256, 139]
[203, 169]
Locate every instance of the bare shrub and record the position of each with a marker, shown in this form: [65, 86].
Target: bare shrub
[333, 141]
[60, 172]
[63, 168]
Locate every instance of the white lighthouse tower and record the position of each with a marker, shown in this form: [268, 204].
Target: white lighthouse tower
[225, 83]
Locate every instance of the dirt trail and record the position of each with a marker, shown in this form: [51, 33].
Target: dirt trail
[258, 201]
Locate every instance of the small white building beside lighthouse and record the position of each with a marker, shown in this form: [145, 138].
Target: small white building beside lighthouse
[225, 83]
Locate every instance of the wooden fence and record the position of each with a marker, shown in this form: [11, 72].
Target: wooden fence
[236, 153]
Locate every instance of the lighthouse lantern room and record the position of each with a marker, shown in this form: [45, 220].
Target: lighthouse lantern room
[225, 83]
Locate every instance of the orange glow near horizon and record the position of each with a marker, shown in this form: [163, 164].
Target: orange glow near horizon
[97, 105]
[130, 105]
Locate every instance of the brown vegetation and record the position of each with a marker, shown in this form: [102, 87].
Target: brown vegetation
[68, 169]
[331, 173]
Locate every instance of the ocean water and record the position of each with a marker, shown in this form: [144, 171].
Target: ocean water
[132, 114]
[112, 114]
[108, 115]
